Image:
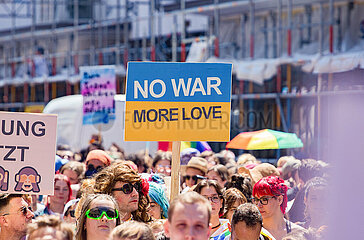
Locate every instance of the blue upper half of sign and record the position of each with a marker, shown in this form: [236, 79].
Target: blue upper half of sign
[181, 82]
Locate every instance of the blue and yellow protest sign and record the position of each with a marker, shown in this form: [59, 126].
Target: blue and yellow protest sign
[98, 87]
[178, 101]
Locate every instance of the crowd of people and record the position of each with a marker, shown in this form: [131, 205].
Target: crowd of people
[106, 194]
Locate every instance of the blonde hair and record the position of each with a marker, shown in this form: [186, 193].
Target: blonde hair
[282, 160]
[132, 230]
[246, 158]
[51, 221]
[190, 198]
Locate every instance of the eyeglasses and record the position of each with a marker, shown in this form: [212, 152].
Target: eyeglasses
[128, 188]
[161, 168]
[71, 213]
[263, 200]
[214, 199]
[23, 210]
[194, 177]
[98, 212]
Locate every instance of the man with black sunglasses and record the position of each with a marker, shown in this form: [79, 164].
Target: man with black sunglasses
[195, 171]
[15, 214]
[126, 186]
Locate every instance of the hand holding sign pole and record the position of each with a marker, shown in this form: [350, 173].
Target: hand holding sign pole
[178, 102]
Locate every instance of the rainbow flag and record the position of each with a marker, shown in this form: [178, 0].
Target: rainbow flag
[200, 146]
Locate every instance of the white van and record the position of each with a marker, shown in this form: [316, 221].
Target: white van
[71, 131]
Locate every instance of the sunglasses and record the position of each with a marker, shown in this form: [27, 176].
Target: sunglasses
[263, 200]
[194, 177]
[98, 212]
[127, 188]
[23, 210]
[71, 213]
[91, 167]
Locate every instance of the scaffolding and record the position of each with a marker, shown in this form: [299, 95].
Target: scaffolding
[276, 46]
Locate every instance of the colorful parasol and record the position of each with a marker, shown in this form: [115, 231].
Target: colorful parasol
[265, 139]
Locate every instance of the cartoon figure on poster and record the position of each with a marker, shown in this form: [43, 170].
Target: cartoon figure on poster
[27, 180]
[4, 179]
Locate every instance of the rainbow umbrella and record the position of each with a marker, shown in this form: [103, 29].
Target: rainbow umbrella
[265, 139]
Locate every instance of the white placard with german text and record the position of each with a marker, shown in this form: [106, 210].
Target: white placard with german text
[27, 153]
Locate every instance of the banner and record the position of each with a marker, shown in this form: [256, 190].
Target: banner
[27, 153]
[98, 87]
[178, 101]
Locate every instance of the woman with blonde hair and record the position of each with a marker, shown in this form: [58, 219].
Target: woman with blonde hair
[98, 216]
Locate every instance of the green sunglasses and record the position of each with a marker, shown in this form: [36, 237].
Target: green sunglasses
[98, 212]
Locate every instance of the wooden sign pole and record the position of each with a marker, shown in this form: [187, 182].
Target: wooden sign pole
[176, 149]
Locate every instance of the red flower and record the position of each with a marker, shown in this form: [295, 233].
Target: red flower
[145, 187]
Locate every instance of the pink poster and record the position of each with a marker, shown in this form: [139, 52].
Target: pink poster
[98, 87]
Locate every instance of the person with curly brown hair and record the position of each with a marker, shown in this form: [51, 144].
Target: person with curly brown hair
[128, 188]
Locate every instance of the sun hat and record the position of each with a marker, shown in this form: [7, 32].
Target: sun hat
[100, 155]
[197, 163]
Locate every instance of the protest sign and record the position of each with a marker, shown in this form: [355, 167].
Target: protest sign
[178, 101]
[27, 153]
[98, 86]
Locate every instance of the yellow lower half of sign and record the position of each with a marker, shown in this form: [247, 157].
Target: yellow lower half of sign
[177, 121]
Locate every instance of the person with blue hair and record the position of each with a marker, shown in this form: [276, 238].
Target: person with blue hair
[159, 203]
